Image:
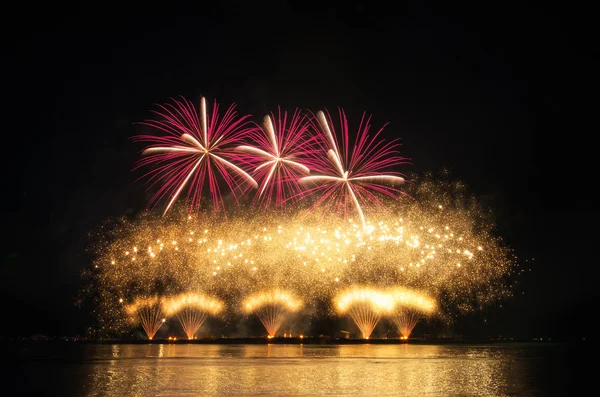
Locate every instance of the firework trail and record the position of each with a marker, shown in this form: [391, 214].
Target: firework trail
[279, 152]
[196, 152]
[354, 174]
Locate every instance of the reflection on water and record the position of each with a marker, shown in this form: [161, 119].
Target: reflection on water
[291, 370]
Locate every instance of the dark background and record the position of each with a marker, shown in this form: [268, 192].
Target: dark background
[502, 96]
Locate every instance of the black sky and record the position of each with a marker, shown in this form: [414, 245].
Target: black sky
[502, 96]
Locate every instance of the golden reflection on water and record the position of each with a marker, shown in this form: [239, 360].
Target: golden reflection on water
[291, 370]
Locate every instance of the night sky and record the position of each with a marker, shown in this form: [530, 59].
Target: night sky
[502, 97]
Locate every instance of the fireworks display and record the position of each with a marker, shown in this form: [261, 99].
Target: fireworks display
[429, 251]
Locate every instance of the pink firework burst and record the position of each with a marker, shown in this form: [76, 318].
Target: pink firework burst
[353, 176]
[194, 153]
[280, 154]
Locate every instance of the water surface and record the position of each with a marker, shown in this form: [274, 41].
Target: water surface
[290, 370]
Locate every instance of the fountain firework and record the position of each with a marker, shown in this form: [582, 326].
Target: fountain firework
[406, 320]
[149, 312]
[410, 306]
[365, 306]
[191, 310]
[272, 307]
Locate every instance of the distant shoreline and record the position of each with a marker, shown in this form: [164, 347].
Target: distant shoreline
[295, 341]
